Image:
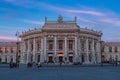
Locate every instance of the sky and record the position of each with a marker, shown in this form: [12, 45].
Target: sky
[22, 15]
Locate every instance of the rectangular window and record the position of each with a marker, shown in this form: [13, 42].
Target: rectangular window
[50, 45]
[70, 44]
[82, 46]
[60, 45]
[19, 50]
[89, 46]
[6, 50]
[0, 50]
[12, 50]
[31, 47]
[38, 47]
[110, 49]
[116, 50]
[103, 49]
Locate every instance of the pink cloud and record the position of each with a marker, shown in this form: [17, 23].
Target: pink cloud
[113, 21]
[86, 12]
[6, 38]
[115, 38]
[33, 22]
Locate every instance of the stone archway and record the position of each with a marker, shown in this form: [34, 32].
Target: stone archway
[60, 57]
[50, 58]
[71, 57]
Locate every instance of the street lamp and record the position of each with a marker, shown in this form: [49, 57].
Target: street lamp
[17, 35]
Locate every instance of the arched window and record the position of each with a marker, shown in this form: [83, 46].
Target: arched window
[110, 49]
[116, 50]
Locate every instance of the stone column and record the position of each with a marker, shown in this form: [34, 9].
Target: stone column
[79, 50]
[76, 51]
[87, 53]
[41, 54]
[34, 49]
[55, 47]
[28, 51]
[66, 58]
[45, 48]
[93, 51]
[3, 55]
[98, 47]
[22, 52]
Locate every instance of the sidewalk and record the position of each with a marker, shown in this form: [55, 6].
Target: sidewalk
[62, 65]
[4, 65]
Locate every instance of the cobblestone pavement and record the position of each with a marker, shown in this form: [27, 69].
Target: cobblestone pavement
[60, 73]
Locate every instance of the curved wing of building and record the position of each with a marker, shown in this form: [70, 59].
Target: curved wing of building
[60, 42]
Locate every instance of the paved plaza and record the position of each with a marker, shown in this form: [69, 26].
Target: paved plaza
[61, 73]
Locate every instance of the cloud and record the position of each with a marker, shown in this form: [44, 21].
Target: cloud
[33, 22]
[86, 12]
[114, 38]
[7, 38]
[113, 21]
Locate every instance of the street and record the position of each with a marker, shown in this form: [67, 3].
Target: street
[60, 73]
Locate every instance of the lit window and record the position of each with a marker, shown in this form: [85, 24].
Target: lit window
[6, 50]
[0, 50]
[12, 50]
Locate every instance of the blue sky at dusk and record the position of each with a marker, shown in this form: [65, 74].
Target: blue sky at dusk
[22, 15]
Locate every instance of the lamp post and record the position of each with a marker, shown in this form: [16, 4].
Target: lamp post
[101, 52]
[116, 61]
[17, 35]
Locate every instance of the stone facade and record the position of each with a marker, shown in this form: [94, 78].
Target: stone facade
[8, 52]
[60, 41]
[111, 51]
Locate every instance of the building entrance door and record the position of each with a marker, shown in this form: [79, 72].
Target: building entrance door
[60, 59]
[38, 58]
[71, 59]
[50, 59]
[82, 58]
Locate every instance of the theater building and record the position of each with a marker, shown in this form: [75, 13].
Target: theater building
[60, 41]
